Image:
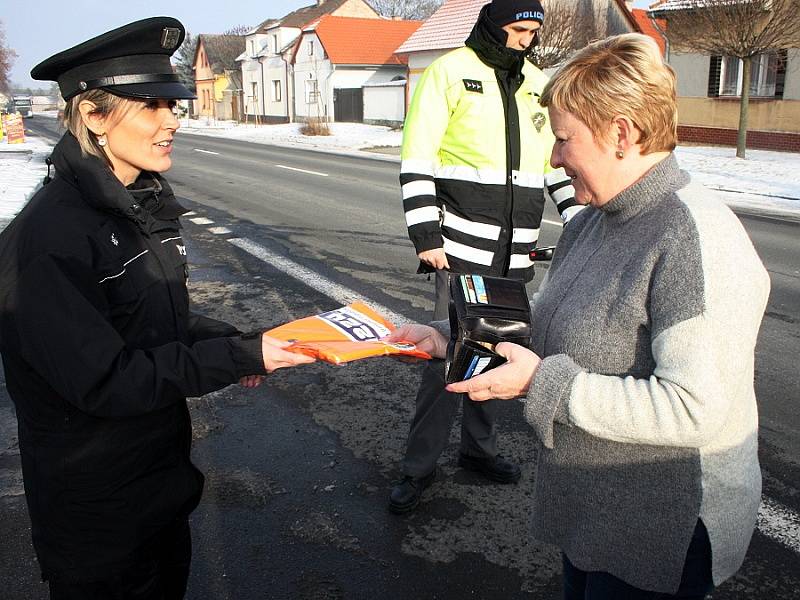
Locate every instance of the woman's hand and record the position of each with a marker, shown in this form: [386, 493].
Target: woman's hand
[508, 381]
[251, 381]
[275, 357]
[425, 338]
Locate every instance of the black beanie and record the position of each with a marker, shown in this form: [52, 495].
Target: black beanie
[503, 12]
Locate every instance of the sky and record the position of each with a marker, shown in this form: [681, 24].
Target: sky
[36, 30]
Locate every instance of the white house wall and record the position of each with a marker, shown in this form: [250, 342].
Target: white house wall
[385, 104]
[275, 70]
[692, 74]
[308, 67]
[356, 77]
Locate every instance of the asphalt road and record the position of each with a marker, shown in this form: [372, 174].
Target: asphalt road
[299, 469]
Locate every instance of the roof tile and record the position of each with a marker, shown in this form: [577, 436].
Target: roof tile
[353, 41]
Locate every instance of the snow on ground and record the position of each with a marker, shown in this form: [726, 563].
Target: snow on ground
[764, 180]
[22, 169]
[350, 136]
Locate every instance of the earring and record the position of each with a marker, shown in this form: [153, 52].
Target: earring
[101, 140]
[620, 154]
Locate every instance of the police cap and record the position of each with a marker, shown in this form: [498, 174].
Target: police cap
[130, 61]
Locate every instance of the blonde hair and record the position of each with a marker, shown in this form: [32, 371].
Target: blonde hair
[106, 104]
[620, 75]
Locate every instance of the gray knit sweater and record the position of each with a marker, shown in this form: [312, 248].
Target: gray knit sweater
[644, 402]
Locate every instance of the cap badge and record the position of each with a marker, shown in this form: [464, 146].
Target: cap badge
[538, 121]
[114, 240]
[170, 37]
[83, 86]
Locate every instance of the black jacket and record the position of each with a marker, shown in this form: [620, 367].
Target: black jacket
[100, 351]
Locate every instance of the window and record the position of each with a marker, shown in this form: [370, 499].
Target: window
[766, 76]
[252, 47]
[276, 90]
[254, 92]
[275, 43]
[312, 93]
[311, 48]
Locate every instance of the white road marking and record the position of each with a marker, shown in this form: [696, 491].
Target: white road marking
[205, 151]
[201, 221]
[302, 170]
[219, 230]
[189, 214]
[559, 223]
[779, 523]
[314, 280]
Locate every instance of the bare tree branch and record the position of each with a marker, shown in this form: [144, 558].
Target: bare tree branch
[7, 56]
[568, 26]
[742, 29]
[406, 9]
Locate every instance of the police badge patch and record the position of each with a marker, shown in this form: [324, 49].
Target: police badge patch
[539, 120]
[472, 85]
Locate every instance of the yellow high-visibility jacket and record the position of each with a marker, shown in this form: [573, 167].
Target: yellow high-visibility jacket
[473, 172]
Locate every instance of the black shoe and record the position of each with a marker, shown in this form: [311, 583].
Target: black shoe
[495, 468]
[406, 494]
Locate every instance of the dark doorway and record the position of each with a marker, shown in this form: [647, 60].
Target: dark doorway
[348, 105]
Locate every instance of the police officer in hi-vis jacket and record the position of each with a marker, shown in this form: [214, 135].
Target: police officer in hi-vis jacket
[474, 175]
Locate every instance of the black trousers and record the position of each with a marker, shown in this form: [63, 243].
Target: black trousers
[436, 411]
[696, 580]
[160, 573]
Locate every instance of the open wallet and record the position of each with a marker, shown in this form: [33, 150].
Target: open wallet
[484, 311]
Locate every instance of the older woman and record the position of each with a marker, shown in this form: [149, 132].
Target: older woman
[99, 347]
[639, 383]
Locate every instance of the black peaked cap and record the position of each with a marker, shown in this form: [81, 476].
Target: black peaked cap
[130, 61]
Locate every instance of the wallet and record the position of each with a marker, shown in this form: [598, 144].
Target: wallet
[484, 311]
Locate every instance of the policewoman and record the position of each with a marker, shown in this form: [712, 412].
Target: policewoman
[99, 346]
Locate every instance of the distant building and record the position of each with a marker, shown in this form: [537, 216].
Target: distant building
[265, 63]
[710, 87]
[335, 57]
[217, 78]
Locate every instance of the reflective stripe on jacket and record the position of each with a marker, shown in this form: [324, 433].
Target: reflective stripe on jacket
[458, 191]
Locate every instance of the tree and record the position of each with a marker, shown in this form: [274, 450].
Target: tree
[406, 9]
[7, 56]
[228, 46]
[740, 29]
[184, 59]
[568, 26]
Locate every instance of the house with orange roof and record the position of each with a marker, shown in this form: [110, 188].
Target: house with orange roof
[710, 88]
[336, 57]
[448, 28]
[265, 62]
[652, 27]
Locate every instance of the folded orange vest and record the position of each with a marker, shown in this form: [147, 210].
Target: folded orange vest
[348, 333]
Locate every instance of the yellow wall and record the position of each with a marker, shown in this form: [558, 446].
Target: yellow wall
[355, 8]
[220, 83]
[763, 115]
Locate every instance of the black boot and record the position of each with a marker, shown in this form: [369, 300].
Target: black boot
[495, 468]
[406, 494]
